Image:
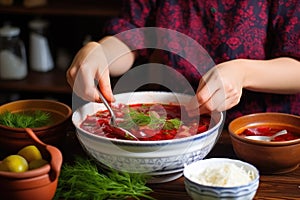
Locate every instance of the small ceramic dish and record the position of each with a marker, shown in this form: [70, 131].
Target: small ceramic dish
[218, 178]
[270, 157]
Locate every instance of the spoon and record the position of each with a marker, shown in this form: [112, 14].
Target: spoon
[117, 130]
[266, 138]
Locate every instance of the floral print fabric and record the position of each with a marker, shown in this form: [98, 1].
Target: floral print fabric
[227, 30]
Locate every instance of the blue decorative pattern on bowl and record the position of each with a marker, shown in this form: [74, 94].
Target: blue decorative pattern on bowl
[152, 157]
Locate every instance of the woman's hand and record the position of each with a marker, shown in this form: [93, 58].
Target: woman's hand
[96, 62]
[219, 89]
[90, 64]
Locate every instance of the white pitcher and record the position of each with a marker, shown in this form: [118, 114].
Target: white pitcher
[40, 58]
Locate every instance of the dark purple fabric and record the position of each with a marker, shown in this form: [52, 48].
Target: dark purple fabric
[227, 29]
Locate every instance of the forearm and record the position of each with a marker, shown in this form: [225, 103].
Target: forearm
[120, 58]
[280, 75]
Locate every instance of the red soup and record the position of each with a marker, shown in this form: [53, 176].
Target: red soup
[148, 122]
[269, 131]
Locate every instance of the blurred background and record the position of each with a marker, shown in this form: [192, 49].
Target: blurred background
[52, 31]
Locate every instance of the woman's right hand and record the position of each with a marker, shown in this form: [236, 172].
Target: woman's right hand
[88, 66]
[96, 62]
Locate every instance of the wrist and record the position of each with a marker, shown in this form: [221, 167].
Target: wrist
[249, 72]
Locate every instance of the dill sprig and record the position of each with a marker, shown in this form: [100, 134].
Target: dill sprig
[137, 118]
[82, 180]
[172, 124]
[33, 119]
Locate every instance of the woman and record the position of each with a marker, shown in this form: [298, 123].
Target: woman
[254, 44]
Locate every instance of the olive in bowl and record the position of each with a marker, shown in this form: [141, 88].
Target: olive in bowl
[277, 156]
[38, 183]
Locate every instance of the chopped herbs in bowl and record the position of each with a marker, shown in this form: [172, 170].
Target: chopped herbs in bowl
[49, 119]
[33, 119]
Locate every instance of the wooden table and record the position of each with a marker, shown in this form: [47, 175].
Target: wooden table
[271, 187]
[285, 186]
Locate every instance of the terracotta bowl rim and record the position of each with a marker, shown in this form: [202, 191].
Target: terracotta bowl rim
[28, 174]
[66, 117]
[266, 113]
[263, 143]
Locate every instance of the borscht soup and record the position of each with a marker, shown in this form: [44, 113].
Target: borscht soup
[270, 131]
[148, 122]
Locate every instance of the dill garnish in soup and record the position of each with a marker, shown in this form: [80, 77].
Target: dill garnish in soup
[148, 122]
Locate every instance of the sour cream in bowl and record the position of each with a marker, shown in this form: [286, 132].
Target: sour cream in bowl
[221, 178]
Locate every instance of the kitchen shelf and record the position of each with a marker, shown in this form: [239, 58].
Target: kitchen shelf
[39, 82]
[71, 21]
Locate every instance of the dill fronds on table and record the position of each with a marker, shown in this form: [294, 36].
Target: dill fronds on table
[83, 180]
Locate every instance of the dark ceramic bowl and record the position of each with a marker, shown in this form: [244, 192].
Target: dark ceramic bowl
[269, 157]
[12, 139]
[37, 184]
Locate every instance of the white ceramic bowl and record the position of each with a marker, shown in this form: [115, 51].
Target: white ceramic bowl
[152, 157]
[205, 191]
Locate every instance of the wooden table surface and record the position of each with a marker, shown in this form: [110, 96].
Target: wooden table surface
[271, 187]
[285, 186]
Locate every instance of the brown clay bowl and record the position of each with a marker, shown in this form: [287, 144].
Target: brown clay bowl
[12, 139]
[37, 184]
[269, 157]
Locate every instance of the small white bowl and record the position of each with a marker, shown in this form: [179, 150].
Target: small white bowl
[210, 191]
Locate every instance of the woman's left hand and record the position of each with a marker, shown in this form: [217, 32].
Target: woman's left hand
[219, 89]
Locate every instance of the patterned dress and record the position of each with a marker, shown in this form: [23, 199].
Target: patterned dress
[226, 29]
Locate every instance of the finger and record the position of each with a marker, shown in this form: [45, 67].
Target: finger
[202, 101]
[72, 71]
[198, 99]
[84, 86]
[204, 110]
[201, 109]
[80, 74]
[69, 76]
[195, 108]
[102, 74]
[210, 106]
[94, 67]
[221, 101]
[231, 100]
[192, 105]
[105, 86]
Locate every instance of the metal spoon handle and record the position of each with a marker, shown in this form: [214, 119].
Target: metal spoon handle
[282, 132]
[122, 132]
[113, 117]
[266, 138]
